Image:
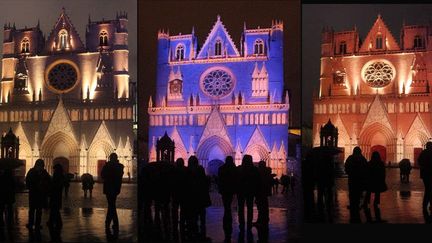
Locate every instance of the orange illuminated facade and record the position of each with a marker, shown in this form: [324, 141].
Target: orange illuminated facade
[376, 90]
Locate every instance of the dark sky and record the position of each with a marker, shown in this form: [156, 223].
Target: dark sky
[345, 17]
[180, 16]
[27, 12]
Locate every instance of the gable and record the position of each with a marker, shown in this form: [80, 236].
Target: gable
[215, 126]
[102, 134]
[377, 113]
[60, 122]
[379, 28]
[218, 33]
[64, 24]
[257, 138]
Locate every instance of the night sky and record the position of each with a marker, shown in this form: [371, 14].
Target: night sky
[345, 17]
[27, 12]
[180, 16]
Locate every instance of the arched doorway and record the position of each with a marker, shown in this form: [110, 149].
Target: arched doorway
[213, 167]
[213, 148]
[381, 150]
[64, 162]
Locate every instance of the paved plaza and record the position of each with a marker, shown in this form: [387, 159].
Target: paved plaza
[400, 204]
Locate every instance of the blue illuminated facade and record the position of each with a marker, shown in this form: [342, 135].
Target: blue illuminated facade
[216, 100]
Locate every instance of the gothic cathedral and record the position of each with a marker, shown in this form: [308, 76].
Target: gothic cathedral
[69, 102]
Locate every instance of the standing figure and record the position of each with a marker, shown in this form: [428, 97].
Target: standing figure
[112, 174]
[87, 183]
[375, 184]
[248, 178]
[7, 196]
[356, 167]
[55, 203]
[198, 199]
[263, 192]
[285, 183]
[425, 163]
[67, 180]
[178, 197]
[405, 170]
[37, 181]
[227, 184]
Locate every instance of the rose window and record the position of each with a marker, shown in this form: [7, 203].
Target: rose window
[378, 74]
[217, 83]
[62, 77]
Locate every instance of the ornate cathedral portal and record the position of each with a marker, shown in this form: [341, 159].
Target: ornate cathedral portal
[69, 102]
[218, 100]
[376, 91]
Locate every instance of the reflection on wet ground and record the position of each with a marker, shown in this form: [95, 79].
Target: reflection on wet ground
[83, 218]
[79, 225]
[285, 219]
[401, 204]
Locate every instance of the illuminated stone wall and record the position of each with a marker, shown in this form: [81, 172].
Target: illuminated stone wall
[66, 99]
[222, 99]
[376, 91]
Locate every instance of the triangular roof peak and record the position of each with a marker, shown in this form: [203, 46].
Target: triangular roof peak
[64, 22]
[379, 28]
[218, 32]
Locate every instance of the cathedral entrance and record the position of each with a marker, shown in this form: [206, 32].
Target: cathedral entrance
[64, 162]
[100, 165]
[213, 167]
[417, 152]
[381, 150]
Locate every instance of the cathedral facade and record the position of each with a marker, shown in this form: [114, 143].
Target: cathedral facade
[376, 91]
[216, 100]
[69, 102]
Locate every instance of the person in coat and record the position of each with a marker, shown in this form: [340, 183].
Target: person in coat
[375, 184]
[227, 185]
[87, 183]
[55, 202]
[357, 168]
[112, 174]
[263, 192]
[248, 178]
[38, 182]
[425, 163]
[178, 197]
[198, 199]
[7, 196]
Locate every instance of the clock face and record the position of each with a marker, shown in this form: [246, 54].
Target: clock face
[217, 83]
[62, 77]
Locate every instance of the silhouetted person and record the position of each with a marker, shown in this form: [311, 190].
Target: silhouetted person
[67, 180]
[405, 170]
[292, 182]
[308, 183]
[263, 192]
[275, 185]
[178, 197]
[248, 185]
[285, 183]
[324, 174]
[87, 183]
[162, 176]
[198, 199]
[7, 196]
[227, 184]
[146, 195]
[55, 203]
[425, 163]
[356, 167]
[112, 174]
[38, 183]
[375, 184]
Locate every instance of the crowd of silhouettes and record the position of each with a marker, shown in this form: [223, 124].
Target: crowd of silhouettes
[46, 192]
[425, 163]
[174, 197]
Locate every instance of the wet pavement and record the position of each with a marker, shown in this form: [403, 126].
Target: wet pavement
[285, 218]
[83, 218]
[400, 204]
[79, 225]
